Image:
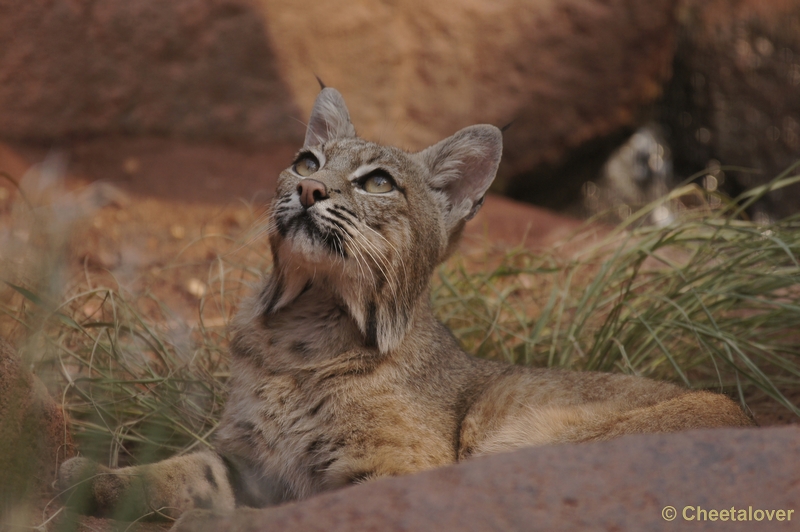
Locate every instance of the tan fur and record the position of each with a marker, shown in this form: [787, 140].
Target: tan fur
[166, 489]
[339, 370]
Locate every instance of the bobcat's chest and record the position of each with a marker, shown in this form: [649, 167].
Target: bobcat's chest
[299, 427]
[339, 421]
[312, 408]
[292, 378]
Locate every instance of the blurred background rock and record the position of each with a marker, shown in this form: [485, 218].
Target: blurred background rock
[734, 97]
[708, 81]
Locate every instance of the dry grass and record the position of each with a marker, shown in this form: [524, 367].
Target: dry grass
[710, 300]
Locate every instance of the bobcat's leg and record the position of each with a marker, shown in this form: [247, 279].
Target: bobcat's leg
[691, 410]
[606, 420]
[164, 489]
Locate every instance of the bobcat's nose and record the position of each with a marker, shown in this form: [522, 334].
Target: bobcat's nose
[311, 191]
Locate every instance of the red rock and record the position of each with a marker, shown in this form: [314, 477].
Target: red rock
[573, 74]
[192, 68]
[621, 485]
[506, 224]
[412, 72]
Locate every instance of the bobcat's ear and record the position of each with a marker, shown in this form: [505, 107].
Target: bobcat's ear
[329, 119]
[462, 167]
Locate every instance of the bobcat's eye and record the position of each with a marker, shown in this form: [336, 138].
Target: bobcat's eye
[378, 183]
[306, 165]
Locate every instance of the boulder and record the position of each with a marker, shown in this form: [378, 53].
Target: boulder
[642, 482]
[575, 76]
[735, 96]
[189, 68]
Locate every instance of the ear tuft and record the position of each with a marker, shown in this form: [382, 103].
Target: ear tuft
[329, 119]
[463, 167]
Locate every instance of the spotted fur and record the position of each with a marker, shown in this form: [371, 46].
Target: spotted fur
[339, 371]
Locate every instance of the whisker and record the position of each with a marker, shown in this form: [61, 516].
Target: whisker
[359, 260]
[380, 260]
[399, 256]
[386, 263]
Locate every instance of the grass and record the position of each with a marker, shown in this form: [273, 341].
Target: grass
[710, 300]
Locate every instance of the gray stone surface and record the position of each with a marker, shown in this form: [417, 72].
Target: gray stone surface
[621, 485]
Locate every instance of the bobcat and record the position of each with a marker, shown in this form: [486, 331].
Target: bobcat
[339, 371]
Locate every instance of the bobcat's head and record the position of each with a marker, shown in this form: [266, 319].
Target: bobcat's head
[371, 222]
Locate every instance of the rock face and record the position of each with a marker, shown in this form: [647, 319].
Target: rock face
[571, 74]
[735, 96]
[192, 68]
[622, 485]
[33, 436]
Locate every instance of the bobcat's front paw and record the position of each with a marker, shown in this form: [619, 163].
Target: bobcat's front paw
[90, 488]
[77, 471]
